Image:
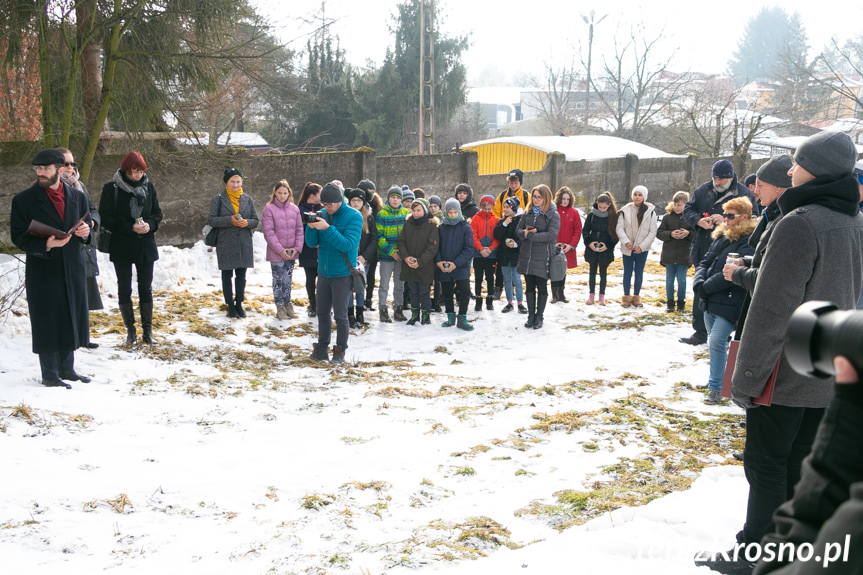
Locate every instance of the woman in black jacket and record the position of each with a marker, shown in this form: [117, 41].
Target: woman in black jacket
[310, 201]
[130, 211]
[367, 250]
[721, 298]
[599, 236]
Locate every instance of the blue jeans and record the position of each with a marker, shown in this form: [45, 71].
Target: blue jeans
[675, 272]
[636, 261]
[718, 330]
[512, 278]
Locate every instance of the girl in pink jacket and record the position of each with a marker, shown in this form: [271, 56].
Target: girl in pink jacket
[283, 230]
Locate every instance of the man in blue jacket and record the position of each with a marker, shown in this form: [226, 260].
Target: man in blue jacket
[336, 234]
[703, 211]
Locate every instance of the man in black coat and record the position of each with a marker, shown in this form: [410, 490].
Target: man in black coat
[55, 279]
[703, 211]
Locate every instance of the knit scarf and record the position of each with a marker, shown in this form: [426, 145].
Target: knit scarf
[138, 191]
[235, 198]
[599, 214]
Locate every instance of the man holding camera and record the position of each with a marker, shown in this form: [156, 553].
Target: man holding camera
[815, 252]
[336, 233]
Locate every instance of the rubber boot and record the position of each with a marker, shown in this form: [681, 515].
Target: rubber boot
[415, 316]
[554, 298]
[540, 309]
[463, 323]
[426, 317]
[352, 320]
[146, 309]
[128, 315]
[229, 299]
[450, 319]
[240, 296]
[531, 310]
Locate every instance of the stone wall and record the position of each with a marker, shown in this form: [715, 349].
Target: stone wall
[187, 180]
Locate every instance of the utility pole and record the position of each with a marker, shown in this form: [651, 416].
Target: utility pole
[426, 120]
[589, 56]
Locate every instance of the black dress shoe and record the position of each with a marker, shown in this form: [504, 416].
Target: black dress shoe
[72, 376]
[56, 383]
[92, 345]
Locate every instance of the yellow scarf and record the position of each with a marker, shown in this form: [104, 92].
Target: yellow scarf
[235, 198]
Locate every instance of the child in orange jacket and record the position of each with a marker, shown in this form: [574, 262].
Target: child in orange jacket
[485, 255]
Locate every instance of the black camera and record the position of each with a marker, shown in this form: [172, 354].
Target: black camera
[818, 332]
[309, 217]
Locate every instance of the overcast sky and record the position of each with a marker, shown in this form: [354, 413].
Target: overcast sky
[517, 37]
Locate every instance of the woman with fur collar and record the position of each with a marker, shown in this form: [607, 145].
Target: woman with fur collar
[721, 298]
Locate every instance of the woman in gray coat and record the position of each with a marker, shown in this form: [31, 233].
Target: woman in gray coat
[538, 226]
[233, 213]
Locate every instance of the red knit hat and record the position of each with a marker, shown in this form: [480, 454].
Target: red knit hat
[486, 198]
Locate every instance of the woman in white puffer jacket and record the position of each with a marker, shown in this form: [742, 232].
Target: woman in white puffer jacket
[636, 229]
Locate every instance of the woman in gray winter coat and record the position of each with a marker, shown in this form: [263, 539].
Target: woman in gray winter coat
[233, 213]
[538, 226]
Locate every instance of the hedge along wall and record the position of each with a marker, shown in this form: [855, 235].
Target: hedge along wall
[187, 180]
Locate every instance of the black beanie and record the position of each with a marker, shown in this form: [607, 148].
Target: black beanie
[367, 186]
[352, 193]
[775, 171]
[331, 194]
[230, 173]
[517, 173]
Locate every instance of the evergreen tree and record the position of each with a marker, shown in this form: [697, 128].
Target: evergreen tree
[773, 44]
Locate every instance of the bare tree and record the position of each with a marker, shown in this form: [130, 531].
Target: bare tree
[633, 86]
[558, 103]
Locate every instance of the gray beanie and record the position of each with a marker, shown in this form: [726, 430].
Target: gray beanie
[436, 201]
[366, 185]
[331, 194]
[831, 154]
[775, 171]
[407, 196]
[395, 191]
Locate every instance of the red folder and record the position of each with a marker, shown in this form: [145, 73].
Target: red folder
[766, 397]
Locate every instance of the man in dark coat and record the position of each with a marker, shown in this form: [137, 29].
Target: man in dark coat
[815, 252]
[55, 278]
[703, 211]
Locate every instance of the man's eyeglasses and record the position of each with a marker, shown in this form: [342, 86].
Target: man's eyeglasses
[329, 205]
[39, 169]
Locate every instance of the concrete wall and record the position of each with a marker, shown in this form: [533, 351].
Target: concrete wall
[187, 180]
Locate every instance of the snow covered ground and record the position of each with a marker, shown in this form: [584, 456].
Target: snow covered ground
[224, 450]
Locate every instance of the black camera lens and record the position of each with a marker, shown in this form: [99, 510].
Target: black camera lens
[818, 332]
